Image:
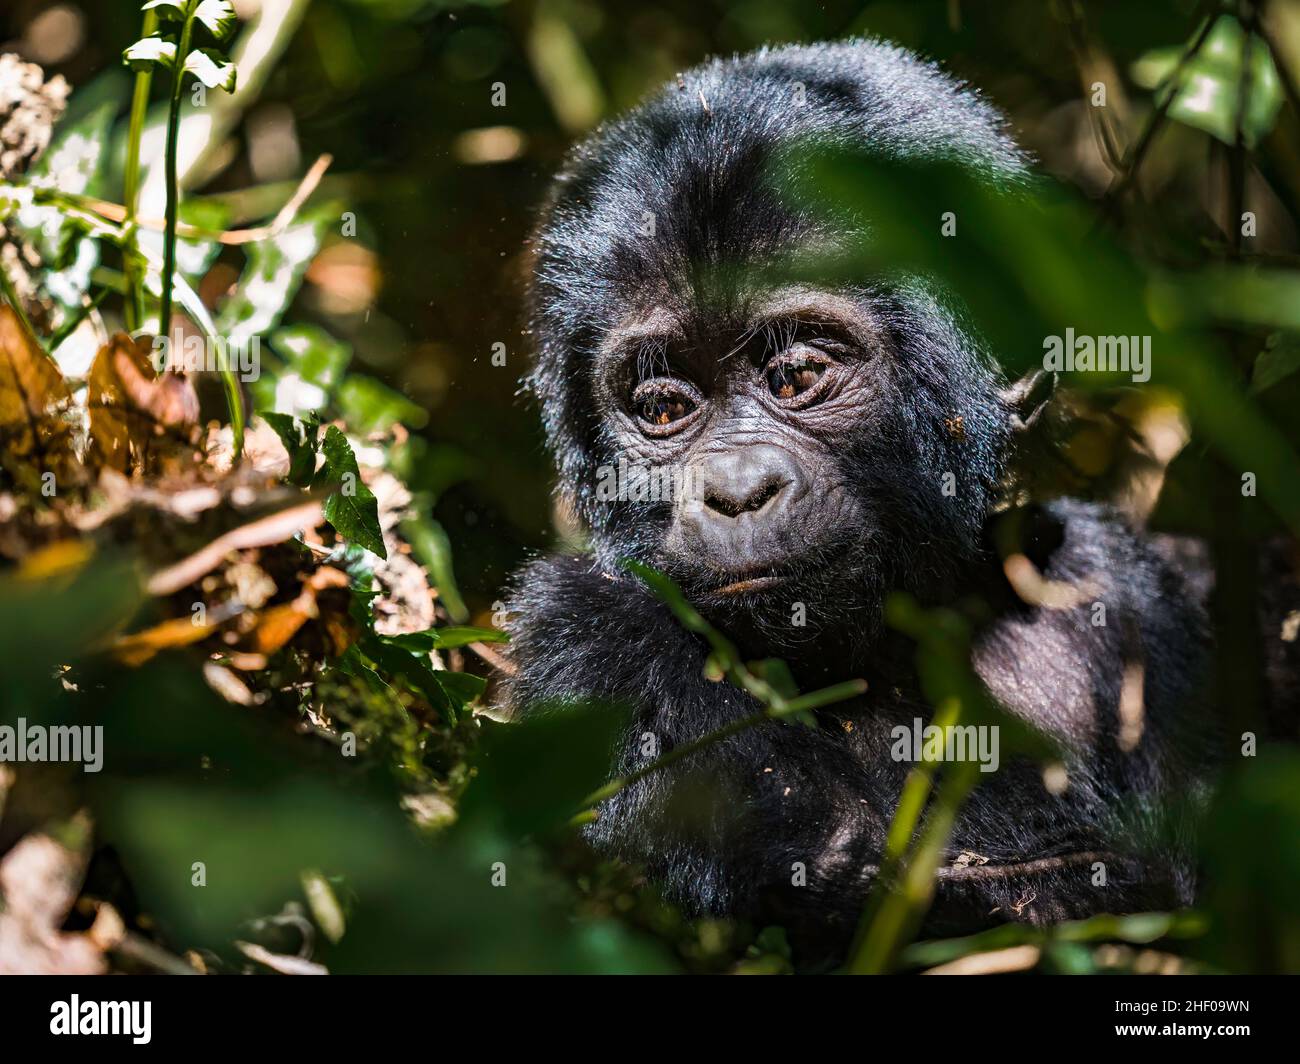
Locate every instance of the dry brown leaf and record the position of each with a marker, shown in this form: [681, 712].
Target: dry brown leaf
[36, 435]
[280, 623]
[138, 647]
[141, 421]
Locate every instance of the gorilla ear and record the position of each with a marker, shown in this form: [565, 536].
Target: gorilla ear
[1028, 397]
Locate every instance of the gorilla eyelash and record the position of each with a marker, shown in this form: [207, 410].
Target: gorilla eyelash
[652, 359]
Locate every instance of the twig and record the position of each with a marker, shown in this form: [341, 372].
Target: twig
[115, 212]
[136, 948]
[261, 533]
[1169, 90]
[496, 660]
[996, 962]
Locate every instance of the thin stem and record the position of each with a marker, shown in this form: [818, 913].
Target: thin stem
[173, 187]
[131, 186]
[836, 693]
[1165, 93]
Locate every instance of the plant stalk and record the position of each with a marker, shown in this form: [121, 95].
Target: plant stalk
[131, 263]
[173, 187]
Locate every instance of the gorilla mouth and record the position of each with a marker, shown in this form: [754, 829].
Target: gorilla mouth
[753, 583]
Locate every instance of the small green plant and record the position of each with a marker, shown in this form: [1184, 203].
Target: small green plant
[172, 51]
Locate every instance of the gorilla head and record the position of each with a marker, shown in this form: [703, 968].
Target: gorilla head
[758, 438]
[773, 439]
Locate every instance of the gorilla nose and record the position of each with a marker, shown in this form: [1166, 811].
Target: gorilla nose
[740, 501]
[740, 482]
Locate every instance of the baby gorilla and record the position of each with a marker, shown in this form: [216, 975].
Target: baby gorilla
[826, 445]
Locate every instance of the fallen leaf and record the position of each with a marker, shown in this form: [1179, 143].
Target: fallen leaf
[138, 647]
[36, 433]
[141, 420]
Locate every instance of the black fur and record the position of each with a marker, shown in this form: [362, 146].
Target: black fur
[723, 828]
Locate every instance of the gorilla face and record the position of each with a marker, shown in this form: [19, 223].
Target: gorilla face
[761, 439]
[796, 445]
[748, 418]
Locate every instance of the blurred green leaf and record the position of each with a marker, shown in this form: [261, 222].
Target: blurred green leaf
[271, 276]
[1248, 846]
[1279, 360]
[432, 549]
[369, 406]
[1208, 89]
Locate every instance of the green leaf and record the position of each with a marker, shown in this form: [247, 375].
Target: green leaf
[449, 638]
[76, 157]
[432, 549]
[460, 687]
[1208, 89]
[170, 10]
[212, 68]
[218, 16]
[299, 440]
[413, 669]
[1278, 361]
[271, 277]
[315, 362]
[353, 509]
[150, 51]
[369, 406]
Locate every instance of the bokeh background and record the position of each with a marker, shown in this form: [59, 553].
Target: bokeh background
[445, 185]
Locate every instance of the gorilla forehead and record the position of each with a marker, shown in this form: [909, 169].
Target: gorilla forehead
[696, 158]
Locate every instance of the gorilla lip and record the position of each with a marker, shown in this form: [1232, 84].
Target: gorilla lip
[753, 583]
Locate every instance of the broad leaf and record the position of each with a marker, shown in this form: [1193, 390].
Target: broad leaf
[299, 440]
[353, 509]
[36, 441]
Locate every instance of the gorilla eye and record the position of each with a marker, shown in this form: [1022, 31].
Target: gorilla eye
[794, 373]
[660, 403]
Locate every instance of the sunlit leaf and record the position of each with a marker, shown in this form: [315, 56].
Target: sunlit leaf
[1209, 88]
[218, 16]
[150, 51]
[369, 406]
[299, 440]
[170, 10]
[271, 278]
[353, 509]
[211, 68]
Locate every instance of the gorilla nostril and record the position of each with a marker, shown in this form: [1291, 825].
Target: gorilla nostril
[729, 507]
